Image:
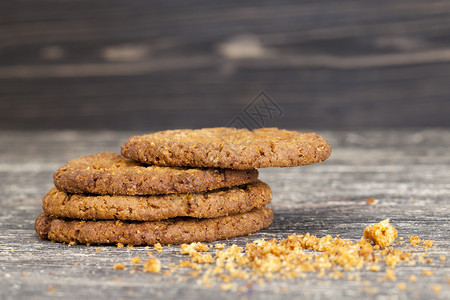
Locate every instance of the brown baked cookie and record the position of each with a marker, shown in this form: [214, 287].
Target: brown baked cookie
[227, 201]
[228, 148]
[110, 173]
[172, 231]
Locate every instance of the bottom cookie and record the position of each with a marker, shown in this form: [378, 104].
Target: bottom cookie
[171, 231]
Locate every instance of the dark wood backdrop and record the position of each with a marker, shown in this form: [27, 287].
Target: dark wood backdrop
[168, 64]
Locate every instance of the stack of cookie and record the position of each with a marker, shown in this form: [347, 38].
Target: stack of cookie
[173, 187]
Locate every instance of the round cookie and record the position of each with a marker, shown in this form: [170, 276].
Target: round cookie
[228, 148]
[172, 231]
[228, 201]
[112, 174]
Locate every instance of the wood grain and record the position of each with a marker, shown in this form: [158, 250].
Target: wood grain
[116, 65]
[406, 171]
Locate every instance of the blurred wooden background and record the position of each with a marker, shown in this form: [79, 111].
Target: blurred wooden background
[144, 65]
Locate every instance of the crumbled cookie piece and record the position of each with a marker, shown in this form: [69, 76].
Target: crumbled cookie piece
[437, 288]
[381, 234]
[414, 240]
[428, 243]
[119, 266]
[152, 265]
[401, 286]
[202, 258]
[136, 260]
[220, 246]
[390, 274]
[193, 247]
[157, 247]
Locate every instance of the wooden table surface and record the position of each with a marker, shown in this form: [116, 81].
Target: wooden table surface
[407, 172]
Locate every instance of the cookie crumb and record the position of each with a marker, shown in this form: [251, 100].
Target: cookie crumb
[414, 240]
[119, 245]
[428, 243]
[412, 278]
[390, 274]
[401, 286]
[374, 268]
[437, 288]
[157, 247]
[227, 286]
[119, 266]
[427, 272]
[370, 200]
[202, 258]
[371, 291]
[152, 265]
[194, 274]
[381, 234]
[98, 249]
[220, 246]
[443, 258]
[51, 289]
[194, 247]
[136, 260]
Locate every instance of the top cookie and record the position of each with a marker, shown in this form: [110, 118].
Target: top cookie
[228, 148]
[112, 174]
